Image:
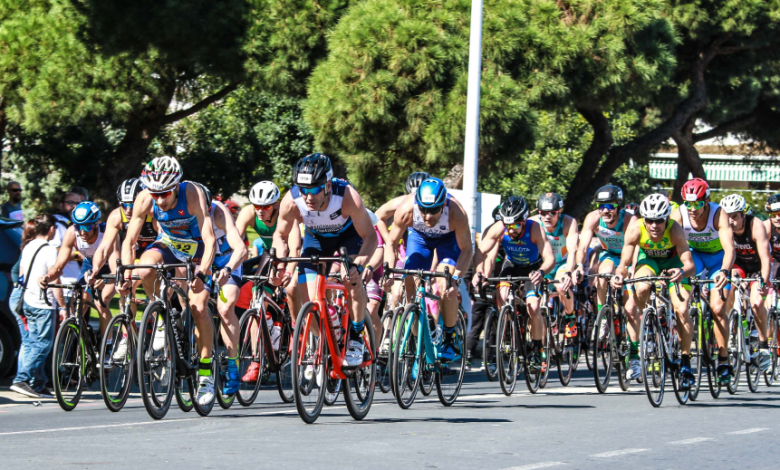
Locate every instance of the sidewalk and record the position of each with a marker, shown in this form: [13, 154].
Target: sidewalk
[10, 398]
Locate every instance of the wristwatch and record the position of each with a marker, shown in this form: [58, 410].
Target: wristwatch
[228, 269]
[359, 268]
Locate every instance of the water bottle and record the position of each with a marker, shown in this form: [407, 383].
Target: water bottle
[275, 329]
[616, 321]
[335, 324]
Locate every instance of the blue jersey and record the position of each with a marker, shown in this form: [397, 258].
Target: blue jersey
[178, 223]
[521, 252]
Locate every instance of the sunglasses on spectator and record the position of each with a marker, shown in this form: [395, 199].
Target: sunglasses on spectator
[546, 213]
[85, 228]
[694, 205]
[312, 191]
[162, 195]
[655, 221]
[609, 207]
[430, 210]
[127, 205]
[263, 208]
[14, 190]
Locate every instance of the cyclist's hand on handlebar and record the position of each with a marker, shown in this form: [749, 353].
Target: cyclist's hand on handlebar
[98, 283]
[197, 285]
[124, 286]
[578, 274]
[354, 276]
[43, 282]
[566, 282]
[720, 280]
[675, 274]
[617, 281]
[536, 277]
[221, 277]
[387, 282]
[475, 281]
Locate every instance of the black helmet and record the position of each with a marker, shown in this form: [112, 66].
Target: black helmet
[312, 171]
[609, 193]
[128, 190]
[513, 210]
[773, 203]
[550, 202]
[496, 215]
[414, 180]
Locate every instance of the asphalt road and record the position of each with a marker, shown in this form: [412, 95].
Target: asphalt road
[566, 428]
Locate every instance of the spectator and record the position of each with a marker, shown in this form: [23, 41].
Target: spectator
[12, 209]
[36, 326]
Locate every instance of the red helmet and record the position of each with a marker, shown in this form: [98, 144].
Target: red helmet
[695, 190]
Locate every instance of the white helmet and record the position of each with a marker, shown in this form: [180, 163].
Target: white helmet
[264, 193]
[161, 174]
[655, 206]
[733, 203]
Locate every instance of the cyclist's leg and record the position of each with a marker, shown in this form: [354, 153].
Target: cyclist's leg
[227, 312]
[448, 252]
[720, 308]
[759, 311]
[684, 320]
[374, 294]
[568, 304]
[638, 294]
[293, 295]
[607, 263]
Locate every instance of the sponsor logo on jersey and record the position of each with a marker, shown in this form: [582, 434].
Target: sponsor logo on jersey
[181, 212]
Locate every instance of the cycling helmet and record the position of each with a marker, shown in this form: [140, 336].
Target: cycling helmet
[161, 174]
[85, 213]
[496, 215]
[513, 210]
[733, 203]
[773, 203]
[609, 193]
[414, 180]
[312, 171]
[264, 193]
[431, 193]
[631, 208]
[128, 190]
[655, 206]
[550, 202]
[695, 190]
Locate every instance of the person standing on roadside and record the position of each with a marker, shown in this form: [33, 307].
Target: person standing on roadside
[12, 208]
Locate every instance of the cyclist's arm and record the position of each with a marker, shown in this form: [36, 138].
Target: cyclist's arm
[483, 255]
[762, 246]
[387, 210]
[630, 243]
[585, 237]
[224, 221]
[63, 256]
[245, 217]
[197, 205]
[289, 216]
[726, 240]
[403, 219]
[141, 208]
[353, 207]
[572, 236]
[544, 247]
[109, 241]
[683, 250]
[460, 223]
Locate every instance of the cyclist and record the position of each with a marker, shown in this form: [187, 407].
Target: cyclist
[562, 235]
[527, 254]
[186, 231]
[334, 216]
[663, 247]
[711, 242]
[436, 224]
[753, 260]
[608, 223]
[85, 235]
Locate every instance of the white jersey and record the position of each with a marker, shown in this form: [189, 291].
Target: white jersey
[329, 222]
[706, 240]
[441, 228]
[88, 249]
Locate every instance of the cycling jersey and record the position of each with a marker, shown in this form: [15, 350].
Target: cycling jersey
[557, 241]
[442, 226]
[774, 243]
[661, 255]
[148, 233]
[523, 251]
[329, 222]
[179, 236]
[747, 251]
[265, 233]
[422, 241]
[612, 238]
[224, 251]
[88, 249]
[706, 240]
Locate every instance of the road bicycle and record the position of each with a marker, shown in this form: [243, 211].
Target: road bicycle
[704, 326]
[609, 341]
[743, 342]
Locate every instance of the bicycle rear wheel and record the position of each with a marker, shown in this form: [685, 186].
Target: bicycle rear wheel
[735, 342]
[184, 394]
[506, 350]
[603, 336]
[774, 329]
[489, 345]
[383, 354]
[407, 359]
[652, 358]
[156, 366]
[284, 381]
[548, 350]
[697, 358]
[251, 357]
[116, 372]
[449, 375]
[308, 361]
[68, 365]
[752, 370]
[360, 384]
[565, 352]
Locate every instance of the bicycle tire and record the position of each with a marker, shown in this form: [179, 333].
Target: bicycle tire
[652, 358]
[447, 389]
[774, 329]
[489, 345]
[601, 348]
[396, 319]
[506, 350]
[405, 355]
[284, 382]
[304, 353]
[116, 380]
[622, 347]
[155, 366]
[735, 342]
[184, 395]
[362, 382]
[250, 351]
[547, 348]
[383, 359]
[68, 365]
[697, 356]
[676, 359]
[752, 371]
[586, 335]
[711, 351]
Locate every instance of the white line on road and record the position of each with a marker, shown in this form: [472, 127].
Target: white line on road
[748, 431]
[691, 441]
[616, 453]
[534, 466]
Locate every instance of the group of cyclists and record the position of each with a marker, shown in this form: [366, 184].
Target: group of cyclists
[165, 220]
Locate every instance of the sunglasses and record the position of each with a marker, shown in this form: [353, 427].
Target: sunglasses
[694, 205]
[774, 214]
[430, 210]
[513, 226]
[546, 213]
[263, 208]
[127, 205]
[72, 203]
[161, 195]
[608, 207]
[312, 191]
[85, 228]
[655, 221]
[15, 190]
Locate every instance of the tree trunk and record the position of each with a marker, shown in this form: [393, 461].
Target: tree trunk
[688, 158]
[682, 177]
[599, 146]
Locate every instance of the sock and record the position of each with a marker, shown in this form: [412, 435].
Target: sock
[536, 345]
[598, 307]
[763, 344]
[633, 352]
[233, 360]
[356, 329]
[723, 359]
[205, 367]
[686, 360]
[449, 333]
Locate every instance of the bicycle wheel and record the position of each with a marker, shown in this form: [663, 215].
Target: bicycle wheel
[652, 358]
[507, 341]
[697, 358]
[383, 354]
[68, 365]
[407, 358]
[360, 384]
[752, 370]
[449, 375]
[251, 356]
[565, 352]
[676, 363]
[547, 349]
[489, 345]
[116, 371]
[773, 329]
[710, 348]
[585, 334]
[735, 342]
[622, 348]
[184, 395]
[332, 386]
[284, 381]
[601, 348]
[156, 366]
[308, 373]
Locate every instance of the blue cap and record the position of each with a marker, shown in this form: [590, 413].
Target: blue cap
[431, 193]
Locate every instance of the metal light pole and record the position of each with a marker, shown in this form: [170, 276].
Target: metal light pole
[471, 153]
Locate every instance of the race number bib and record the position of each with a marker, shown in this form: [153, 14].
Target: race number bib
[182, 249]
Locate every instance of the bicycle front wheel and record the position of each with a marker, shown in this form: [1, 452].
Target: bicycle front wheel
[407, 359]
[68, 365]
[251, 357]
[308, 364]
[697, 358]
[284, 381]
[117, 352]
[360, 384]
[507, 345]
[156, 364]
[652, 358]
[751, 366]
[601, 343]
[735, 343]
[449, 375]
[489, 345]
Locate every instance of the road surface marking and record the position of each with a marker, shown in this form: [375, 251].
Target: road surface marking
[616, 453]
[534, 466]
[691, 441]
[748, 431]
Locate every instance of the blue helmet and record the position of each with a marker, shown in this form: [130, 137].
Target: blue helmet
[431, 193]
[85, 213]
